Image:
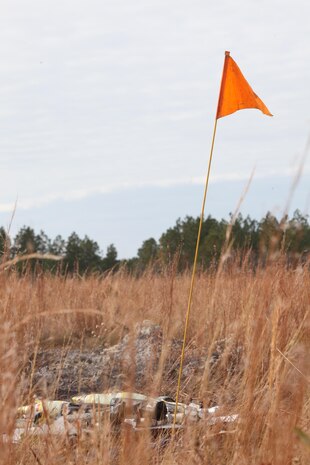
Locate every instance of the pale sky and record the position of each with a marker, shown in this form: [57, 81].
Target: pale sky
[107, 111]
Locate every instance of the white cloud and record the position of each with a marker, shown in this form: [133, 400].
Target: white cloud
[29, 203]
[108, 93]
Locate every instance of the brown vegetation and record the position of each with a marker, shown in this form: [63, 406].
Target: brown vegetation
[260, 319]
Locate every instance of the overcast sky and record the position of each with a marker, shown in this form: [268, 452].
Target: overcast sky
[107, 110]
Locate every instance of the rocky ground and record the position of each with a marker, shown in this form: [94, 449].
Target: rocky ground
[137, 362]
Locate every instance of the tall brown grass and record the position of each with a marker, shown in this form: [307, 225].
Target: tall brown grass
[260, 319]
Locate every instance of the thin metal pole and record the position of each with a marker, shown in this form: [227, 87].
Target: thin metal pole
[189, 304]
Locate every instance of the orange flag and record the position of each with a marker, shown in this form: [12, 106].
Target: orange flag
[236, 93]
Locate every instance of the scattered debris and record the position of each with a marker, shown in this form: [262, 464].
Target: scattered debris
[134, 410]
[134, 357]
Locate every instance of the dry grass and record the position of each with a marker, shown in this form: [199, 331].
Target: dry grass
[264, 314]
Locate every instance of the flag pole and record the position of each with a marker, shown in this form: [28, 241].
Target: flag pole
[235, 94]
[190, 297]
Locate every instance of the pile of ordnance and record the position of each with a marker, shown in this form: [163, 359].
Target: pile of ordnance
[84, 413]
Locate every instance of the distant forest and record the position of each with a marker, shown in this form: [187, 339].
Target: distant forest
[250, 240]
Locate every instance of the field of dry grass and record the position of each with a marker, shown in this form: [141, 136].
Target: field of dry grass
[261, 316]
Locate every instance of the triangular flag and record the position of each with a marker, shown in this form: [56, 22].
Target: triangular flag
[236, 93]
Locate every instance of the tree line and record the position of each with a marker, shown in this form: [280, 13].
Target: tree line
[244, 237]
